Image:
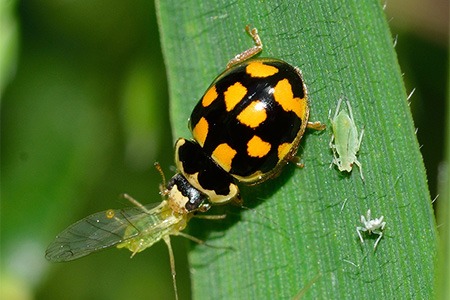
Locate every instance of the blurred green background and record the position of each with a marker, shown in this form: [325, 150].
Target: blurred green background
[84, 115]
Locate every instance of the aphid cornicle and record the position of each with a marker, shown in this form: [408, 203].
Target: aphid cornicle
[246, 127]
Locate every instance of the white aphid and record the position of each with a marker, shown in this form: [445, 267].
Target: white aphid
[375, 226]
[345, 141]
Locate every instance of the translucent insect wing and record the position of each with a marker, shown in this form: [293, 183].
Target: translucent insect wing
[101, 230]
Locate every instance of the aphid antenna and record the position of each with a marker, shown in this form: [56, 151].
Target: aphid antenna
[350, 110]
[338, 107]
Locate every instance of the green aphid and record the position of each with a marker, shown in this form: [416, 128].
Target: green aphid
[345, 141]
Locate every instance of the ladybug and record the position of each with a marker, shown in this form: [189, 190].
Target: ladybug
[245, 128]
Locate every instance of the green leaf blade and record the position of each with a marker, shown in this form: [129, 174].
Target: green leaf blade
[302, 225]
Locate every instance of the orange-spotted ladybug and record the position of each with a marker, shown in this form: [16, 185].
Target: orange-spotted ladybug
[246, 126]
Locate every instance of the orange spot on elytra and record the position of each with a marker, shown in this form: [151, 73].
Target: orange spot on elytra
[233, 95]
[209, 97]
[200, 131]
[223, 155]
[256, 147]
[258, 69]
[253, 115]
[284, 96]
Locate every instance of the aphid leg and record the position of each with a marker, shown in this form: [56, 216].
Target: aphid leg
[380, 233]
[363, 221]
[358, 230]
[201, 242]
[210, 217]
[331, 144]
[172, 265]
[378, 239]
[137, 250]
[360, 168]
[360, 138]
[253, 32]
[136, 203]
[333, 149]
[356, 161]
[192, 238]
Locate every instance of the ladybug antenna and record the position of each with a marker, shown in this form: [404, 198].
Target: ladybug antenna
[162, 186]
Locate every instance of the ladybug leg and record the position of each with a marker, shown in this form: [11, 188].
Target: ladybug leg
[297, 161]
[238, 201]
[316, 125]
[253, 32]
